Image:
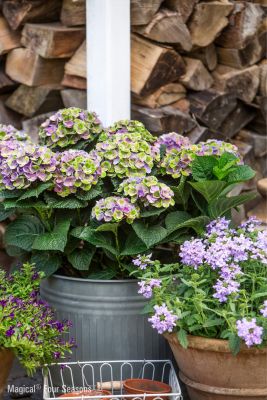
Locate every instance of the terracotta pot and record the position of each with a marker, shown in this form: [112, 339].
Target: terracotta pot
[211, 372]
[88, 393]
[140, 386]
[6, 360]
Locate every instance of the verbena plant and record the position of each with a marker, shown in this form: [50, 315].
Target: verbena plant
[87, 199]
[27, 324]
[218, 288]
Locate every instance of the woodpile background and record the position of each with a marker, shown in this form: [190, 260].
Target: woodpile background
[198, 68]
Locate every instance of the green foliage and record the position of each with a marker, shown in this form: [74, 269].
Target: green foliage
[23, 232]
[55, 240]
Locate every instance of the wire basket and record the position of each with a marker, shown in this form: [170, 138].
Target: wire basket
[108, 375]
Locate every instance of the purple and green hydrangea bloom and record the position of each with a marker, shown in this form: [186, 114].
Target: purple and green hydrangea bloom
[115, 209]
[68, 127]
[147, 191]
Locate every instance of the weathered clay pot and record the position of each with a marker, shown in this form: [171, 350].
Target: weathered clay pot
[6, 360]
[211, 372]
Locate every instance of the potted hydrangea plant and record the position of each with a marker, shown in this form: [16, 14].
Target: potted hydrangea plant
[86, 200]
[28, 327]
[212, 308]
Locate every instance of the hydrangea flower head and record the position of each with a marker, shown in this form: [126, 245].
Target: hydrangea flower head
[9, 132]
[217, 148]
[171, 141]
[136, 128]
[69, 126]
[148, 191]
[163, 320]
[177, 162]
[115, 209]
[126, 155]
[77, 170]
[23, 163]
[249, 331]
[142, 261]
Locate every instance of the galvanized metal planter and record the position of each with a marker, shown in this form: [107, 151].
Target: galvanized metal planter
[107, 319]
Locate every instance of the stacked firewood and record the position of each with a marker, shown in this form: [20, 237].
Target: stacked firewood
[42, 59]
[199, 68]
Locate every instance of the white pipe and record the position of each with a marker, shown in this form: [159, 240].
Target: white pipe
[108, 59]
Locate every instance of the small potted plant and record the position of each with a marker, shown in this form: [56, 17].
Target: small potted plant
[212, 308]
[28, 328]
[86, 200]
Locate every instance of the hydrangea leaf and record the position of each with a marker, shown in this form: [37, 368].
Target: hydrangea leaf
[197, 224]
[35, 192]
[103, 275]
[55, 240]
[150, 235]
[23, 232]
[81, 258]
[181, 192]
[4, 214]
[91, 194]
[240, 174]
[46, 261]
[58, 202]
[11, 194]
[209, 189]
[108, 227]
[151, 213]
[202, 168]
[174, 219]
[133, 245]
[220, 206]
[97, 239]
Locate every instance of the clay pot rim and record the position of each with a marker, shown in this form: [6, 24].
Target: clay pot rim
[134, 390]
[210, 344]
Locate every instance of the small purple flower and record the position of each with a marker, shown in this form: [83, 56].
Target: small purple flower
[146, 287]
[263, 309]
[163, 320]
[142, 261]
[35, 276]
[218, 227]
[249, 331]
[56, 355]
[192, 253]
[224, 288]
[10, 332]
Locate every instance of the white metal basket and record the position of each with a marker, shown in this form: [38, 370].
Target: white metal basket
[109, 375]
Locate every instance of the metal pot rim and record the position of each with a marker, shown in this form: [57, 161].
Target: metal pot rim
[108, 281]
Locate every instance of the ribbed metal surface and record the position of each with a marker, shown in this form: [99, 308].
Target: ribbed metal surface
[107, 319]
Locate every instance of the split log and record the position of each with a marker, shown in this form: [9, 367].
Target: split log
[143, 10]
[29, 68]
[73, 81]
[263, 78]
[212, 107]
[32, 125]
[183, 7]
[262, 187]
[262, 101]
[207, 55]
[260, 212]
[73, 12]
[196, 76]
[8, 39]
[7, 116]
[165, 95]
[30, 101]
[153, 66]
[208, 20]
[202, 133]
[77, 64]
[243, 83]
[18, 12]
[74, 98]
[165, 119]
[182, 105]
[167, 27]
[243, 25]
[259, 123]
[238, 118]
[241, 58]
[6, 84]
[258, 142]
[52, 40]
